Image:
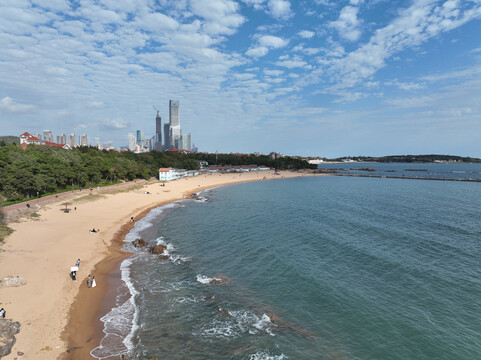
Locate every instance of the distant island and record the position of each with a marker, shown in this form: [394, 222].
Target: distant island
[407, 159]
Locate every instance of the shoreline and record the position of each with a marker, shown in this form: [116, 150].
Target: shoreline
[60, 318]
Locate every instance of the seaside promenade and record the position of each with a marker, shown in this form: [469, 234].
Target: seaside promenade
[60, 318]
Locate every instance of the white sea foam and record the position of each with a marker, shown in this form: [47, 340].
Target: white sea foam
[238, 323]
[265, 355]
[121, 323]
[250, 322]
[206, 280]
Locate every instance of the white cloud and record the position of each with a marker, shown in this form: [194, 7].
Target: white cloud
[410, 29]
[222, 15]
[306, 34]
[257, 51]
[115, 124]
[156, 22]
[244, 76]
[9, 105]
[347, 23]
[273, 42]
[95, 104]
[273, 72]
[290, 64]
[280, 9]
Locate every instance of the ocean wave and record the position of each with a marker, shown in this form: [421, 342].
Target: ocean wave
[235, 324]
[248, 321]
[120, 322]
[265, 355]
[147, 221]
[205, 279]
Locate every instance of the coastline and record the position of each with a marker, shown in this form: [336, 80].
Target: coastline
[61, 318]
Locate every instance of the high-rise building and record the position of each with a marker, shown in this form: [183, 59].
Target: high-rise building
[184, 142]
[174, 121]
[61, 139]
[82, 140]
[158, 133]
[140, 138]
[167, 137]
[97, 142]
[47, 136]
[38, 136]
[132, 141]
[71, 140]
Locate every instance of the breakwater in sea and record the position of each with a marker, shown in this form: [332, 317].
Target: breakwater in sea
[408, 177]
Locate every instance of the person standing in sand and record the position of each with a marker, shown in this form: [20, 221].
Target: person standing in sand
[77, 264]
[94, 284]
[89, 281]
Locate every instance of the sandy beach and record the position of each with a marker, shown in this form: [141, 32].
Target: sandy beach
[60, 318]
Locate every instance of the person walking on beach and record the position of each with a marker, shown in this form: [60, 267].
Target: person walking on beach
[2, 313]
[77, 264]
[94, 284]
[89, 282]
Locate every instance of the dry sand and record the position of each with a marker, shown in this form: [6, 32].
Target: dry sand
[59, 317]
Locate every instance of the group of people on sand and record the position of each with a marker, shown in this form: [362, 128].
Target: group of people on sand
[91, 281]
[74, 269]
[94, 231]
[73, 274]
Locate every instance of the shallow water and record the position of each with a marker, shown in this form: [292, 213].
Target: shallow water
[316, 268]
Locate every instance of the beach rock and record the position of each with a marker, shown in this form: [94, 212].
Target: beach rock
[8, 329]
[365, 169]
[12, 281]
[139, 242]
[158, 249]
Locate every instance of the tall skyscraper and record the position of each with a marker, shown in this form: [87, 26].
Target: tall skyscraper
[184, 142]
[82, 140]
[71, 140]
[61, 139]
[140, 138]
[38, 136]
[167, 137]
[158, 133]
[132, 141]
[47, 136]
[174, 130]
[97, 142]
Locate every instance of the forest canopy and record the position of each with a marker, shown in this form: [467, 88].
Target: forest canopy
[40, 170]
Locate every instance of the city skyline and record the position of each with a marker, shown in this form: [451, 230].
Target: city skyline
[321, 78]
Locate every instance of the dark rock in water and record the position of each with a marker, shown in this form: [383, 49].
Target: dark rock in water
[8, 329]
[139, 242]
[158, 249]
[365, 169]
[415, 170]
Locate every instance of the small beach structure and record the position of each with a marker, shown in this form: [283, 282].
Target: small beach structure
[166, 174]
[66, 204]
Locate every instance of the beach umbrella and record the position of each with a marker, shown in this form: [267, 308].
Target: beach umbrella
[66, 204]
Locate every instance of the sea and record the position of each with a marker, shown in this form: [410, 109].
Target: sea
[321, 267]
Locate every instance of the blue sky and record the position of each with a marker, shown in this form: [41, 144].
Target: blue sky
[321, 77]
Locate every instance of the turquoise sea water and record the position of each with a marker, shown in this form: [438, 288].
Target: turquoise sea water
[316, 268]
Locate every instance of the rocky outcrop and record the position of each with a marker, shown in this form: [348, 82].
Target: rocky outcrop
[139, 242]
[8, 329]
[158, 249]
[12, 281]
[365, 169]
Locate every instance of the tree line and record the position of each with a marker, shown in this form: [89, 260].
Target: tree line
[42, 170]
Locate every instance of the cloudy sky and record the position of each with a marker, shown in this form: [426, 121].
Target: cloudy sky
[319, 77]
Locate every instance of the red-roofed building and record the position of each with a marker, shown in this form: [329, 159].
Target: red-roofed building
[166, 174]
[28, 139]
